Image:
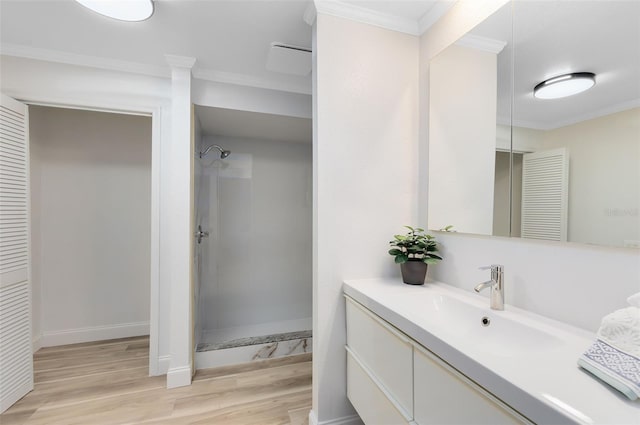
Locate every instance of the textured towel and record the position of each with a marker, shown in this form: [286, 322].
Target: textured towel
[615, 356]
[634, 300]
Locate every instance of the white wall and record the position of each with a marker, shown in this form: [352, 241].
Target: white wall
[256, 204]
[463, 198]
[604, 177]
[90, 194]
[365, 166]
[501, 194]
[506, 194]
[574, 283]
[523, 139]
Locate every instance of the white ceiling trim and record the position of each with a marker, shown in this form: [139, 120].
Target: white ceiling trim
[28, 52]
[49, 55]
[310, 14]
[611, 109]
[481, 43]
[250, 81]
[176, 61]
[434, 14]
[367, 16]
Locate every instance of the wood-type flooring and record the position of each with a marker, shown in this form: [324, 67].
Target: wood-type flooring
[107, 382]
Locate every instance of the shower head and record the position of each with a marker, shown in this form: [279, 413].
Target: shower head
[223, 152]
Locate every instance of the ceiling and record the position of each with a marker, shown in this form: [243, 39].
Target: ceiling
[230, 39]
[602, 37]
[253, 125]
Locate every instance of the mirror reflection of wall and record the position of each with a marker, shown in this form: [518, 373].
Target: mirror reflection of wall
[604, 176]
[599, 128]
[466, 100]
[592, 138]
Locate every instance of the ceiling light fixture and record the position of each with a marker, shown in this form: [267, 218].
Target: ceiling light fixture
[565, 85]
[123, 10]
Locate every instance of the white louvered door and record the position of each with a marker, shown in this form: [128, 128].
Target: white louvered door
[545, 188]
[16, 357]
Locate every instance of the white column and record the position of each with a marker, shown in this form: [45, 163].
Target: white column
[180, 205]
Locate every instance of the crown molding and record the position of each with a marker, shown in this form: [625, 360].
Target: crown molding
[49, 55]
[176, 61]
[56, 56]
[367, 16]
[608, 110]
[481, 43]
[427, 20]
[310, 14]
[251, 81]
[383, 20]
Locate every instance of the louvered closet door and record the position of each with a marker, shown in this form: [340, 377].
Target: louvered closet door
[545, 186]
[16, 361]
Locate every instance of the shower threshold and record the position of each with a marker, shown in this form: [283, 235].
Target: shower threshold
[254, 340]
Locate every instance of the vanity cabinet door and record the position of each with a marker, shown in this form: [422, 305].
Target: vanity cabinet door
[384, 351]
[444, 396]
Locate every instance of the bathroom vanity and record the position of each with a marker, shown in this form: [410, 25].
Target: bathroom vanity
[435, 354]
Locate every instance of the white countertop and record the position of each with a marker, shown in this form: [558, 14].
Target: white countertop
[544, 384]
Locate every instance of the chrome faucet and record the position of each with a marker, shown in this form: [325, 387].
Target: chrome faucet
[497, 286]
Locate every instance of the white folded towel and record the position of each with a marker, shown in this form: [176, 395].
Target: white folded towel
[634, 300]
[615, 356]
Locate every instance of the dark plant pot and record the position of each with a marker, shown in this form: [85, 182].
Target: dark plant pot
[413, 272]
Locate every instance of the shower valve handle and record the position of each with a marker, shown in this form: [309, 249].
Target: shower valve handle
[201, 234]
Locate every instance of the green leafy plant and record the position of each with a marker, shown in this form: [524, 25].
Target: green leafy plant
[415, 245]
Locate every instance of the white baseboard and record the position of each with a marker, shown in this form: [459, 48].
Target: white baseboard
[346, 420]
[95, 333]
[36, 343]
[163, 364]
[179, 376]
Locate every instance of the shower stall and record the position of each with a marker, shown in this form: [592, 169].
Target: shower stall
[253, 236]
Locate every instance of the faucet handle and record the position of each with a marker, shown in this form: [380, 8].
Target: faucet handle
[493, 268]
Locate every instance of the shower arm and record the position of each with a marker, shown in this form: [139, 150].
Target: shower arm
[206, 151]
[223, 153]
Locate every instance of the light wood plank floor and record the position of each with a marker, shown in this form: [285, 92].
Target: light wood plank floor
[107, 382]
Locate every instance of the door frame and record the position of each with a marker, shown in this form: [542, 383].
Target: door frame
[155, 112]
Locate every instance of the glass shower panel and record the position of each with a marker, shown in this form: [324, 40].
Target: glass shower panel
[255, 267]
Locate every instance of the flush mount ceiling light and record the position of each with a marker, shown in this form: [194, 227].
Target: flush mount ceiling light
[123, 10]
[565, 85]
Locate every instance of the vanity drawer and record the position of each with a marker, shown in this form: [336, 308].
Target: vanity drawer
[441, 391]
[371, 403]
[384, 351]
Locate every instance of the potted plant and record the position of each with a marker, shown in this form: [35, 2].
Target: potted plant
[414, 251]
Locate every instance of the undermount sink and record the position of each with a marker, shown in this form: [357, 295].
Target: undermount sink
[501, 333]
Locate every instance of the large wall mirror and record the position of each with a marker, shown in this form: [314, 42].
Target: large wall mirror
[564, 169]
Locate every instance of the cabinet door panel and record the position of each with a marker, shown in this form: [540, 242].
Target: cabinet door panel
[384, 350]
[442, 396]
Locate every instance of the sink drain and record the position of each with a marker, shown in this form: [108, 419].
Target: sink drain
[485, 321]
